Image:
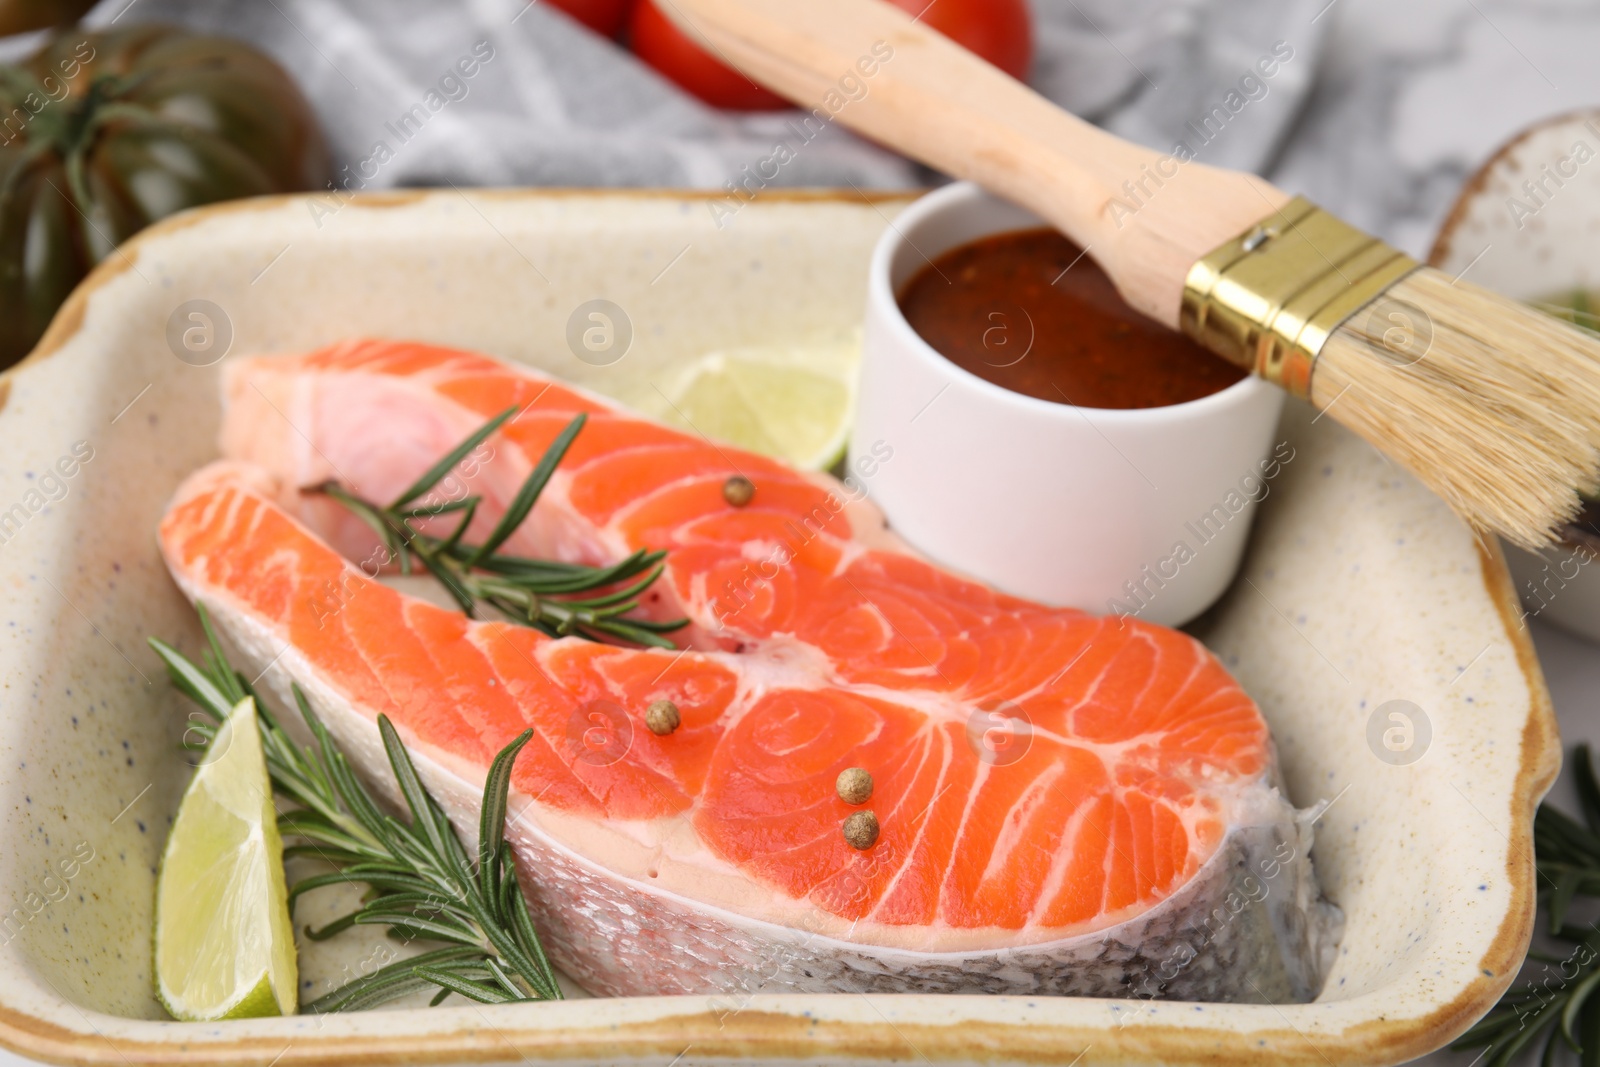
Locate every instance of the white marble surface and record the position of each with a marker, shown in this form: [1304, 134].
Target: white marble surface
[1411, 95]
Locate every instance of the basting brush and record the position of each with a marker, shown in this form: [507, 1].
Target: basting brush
[1494, 406]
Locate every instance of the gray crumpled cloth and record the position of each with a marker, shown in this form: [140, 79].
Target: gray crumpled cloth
[549, 103]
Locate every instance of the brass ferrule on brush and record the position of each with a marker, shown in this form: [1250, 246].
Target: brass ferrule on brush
[1269, 299]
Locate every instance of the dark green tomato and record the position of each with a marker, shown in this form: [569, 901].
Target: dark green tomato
[102, 134]
[18, 16]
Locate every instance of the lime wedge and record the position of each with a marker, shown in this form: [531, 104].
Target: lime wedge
[792, 402]
[224, 943]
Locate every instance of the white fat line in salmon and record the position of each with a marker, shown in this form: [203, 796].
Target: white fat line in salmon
[335, 594]
[52, 488]
[785, 665]
[777, 665]
[768, 566]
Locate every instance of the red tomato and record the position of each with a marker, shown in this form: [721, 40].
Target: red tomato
[605, 17]
[658, 42]
[1000, 31]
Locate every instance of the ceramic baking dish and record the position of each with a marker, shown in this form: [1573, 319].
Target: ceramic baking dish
[1361, 599]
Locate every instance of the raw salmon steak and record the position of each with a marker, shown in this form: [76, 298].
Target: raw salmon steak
[1067, 804]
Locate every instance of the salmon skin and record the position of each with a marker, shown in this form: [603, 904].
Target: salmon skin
[1068, 804]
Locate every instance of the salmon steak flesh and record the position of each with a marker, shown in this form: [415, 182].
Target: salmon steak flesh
[1066, 804]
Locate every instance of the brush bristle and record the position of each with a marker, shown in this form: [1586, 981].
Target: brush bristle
[1494, 406]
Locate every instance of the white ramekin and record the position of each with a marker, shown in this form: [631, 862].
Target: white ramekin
[1142, 512]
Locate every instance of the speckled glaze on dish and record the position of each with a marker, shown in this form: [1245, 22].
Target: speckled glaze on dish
[1534, 244]
[1359, 589]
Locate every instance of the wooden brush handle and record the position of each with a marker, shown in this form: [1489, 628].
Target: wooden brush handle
[939, 103]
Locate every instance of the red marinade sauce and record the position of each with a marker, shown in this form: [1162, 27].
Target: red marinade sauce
[1028, 311]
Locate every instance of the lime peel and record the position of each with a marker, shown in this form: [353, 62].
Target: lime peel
[224, 941]
[792, 402]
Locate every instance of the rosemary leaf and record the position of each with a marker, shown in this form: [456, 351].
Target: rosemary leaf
[394, 884]
[422, 807]
[471, 510]
[1588, 792]
[483, 994]
[448, 463]
[450, 580]
[386, 976]
[327, 930]
[1569, 1016]
[192, 681]
[528, 495]
[536, 578]
[492, 820]
[502, 979]
[1567, 886]
[516, 905]
[417, 925]
[628, 593]
[543, 594]
[428, 511]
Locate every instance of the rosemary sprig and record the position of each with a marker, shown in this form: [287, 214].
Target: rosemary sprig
[421, 882]
[1561, 1005]
[543, 594]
